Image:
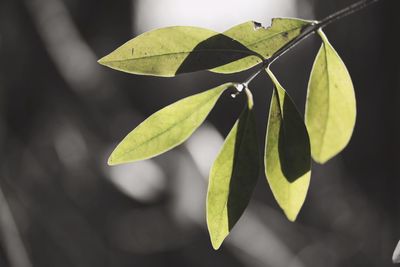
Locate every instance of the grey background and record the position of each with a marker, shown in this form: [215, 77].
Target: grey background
[61, 114]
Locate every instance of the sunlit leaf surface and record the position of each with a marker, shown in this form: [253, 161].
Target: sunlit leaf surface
[167, 128]
[331, 105]
[174, 50]
[264, 41]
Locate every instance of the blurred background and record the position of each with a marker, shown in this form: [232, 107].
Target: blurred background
[61, 114]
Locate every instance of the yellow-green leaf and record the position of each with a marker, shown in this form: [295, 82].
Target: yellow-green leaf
[287, 152]
[167, 128]
[331, 105]
[174, 50]
[233, 176]
[264, 41]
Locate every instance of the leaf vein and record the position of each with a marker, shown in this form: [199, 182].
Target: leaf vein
[169, 128]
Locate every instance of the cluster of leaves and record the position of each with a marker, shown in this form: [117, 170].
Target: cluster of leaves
[291, 142]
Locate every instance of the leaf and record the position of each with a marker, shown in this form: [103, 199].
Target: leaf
[287, 152]
[331, 105]
[233, 176]
[167, 128]
[264, 41]
[396, 254]
[174, 50]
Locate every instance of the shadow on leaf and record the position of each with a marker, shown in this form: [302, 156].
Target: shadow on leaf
[294, 145]
[246, 167]
[213, 52]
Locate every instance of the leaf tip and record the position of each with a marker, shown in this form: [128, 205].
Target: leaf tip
[321, 160]
[113, 159]
[322, 157]
[110, 161]
[292, 216]
[102, 61]
[217, 236]
[216, 243]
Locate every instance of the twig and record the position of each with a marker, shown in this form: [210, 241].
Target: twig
[311, 29]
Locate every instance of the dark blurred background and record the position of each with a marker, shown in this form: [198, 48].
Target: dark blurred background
[61, 114]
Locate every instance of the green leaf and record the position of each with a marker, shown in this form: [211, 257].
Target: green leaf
[167, 128]
[331, 105]
[264, 41]
[233, 176]
[287, 152]
[174, 50]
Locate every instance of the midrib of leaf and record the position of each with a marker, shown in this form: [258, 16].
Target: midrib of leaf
[288, 189]
[233, 170]
[329, 94]
[275, 80]
[273, 36]
[279, 105]
[252, 53]
[169, 128]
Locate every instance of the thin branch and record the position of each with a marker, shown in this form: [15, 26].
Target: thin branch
[346, 11]
[311, 29]
[258, 71]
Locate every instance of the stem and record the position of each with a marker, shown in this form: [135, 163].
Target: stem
[264, 64]
[346, 11]
[311, 29]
